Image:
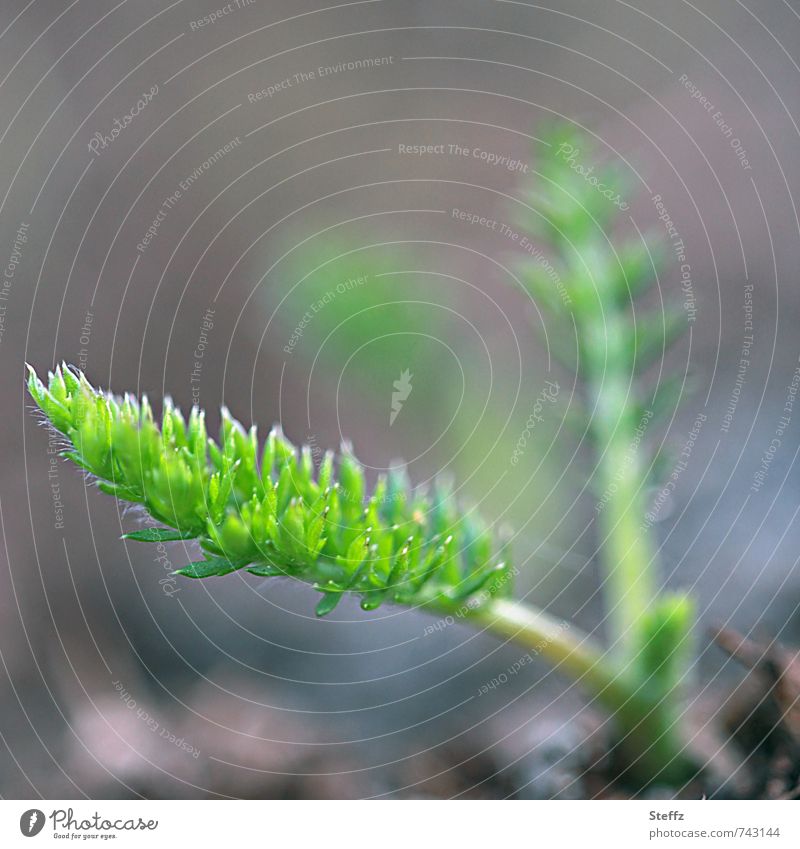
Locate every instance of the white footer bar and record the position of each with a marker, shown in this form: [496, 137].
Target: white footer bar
[401, 824]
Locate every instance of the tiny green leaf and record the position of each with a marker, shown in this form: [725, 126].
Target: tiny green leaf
[209, 568]
[157, 535]
[328, 603]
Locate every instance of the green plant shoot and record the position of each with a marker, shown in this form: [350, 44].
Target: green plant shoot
[274, 510]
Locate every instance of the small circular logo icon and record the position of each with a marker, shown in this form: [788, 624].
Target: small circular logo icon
[31, 822]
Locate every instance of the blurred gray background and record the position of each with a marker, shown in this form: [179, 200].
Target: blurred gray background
[117, 681]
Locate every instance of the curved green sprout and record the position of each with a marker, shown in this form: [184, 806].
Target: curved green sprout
[267, 510]
[270, 511]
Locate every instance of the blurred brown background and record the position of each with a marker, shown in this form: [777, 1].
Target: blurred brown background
[238, 690]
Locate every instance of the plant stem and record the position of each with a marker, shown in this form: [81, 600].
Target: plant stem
[627, 549]
[571, 651]
[649, 739]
